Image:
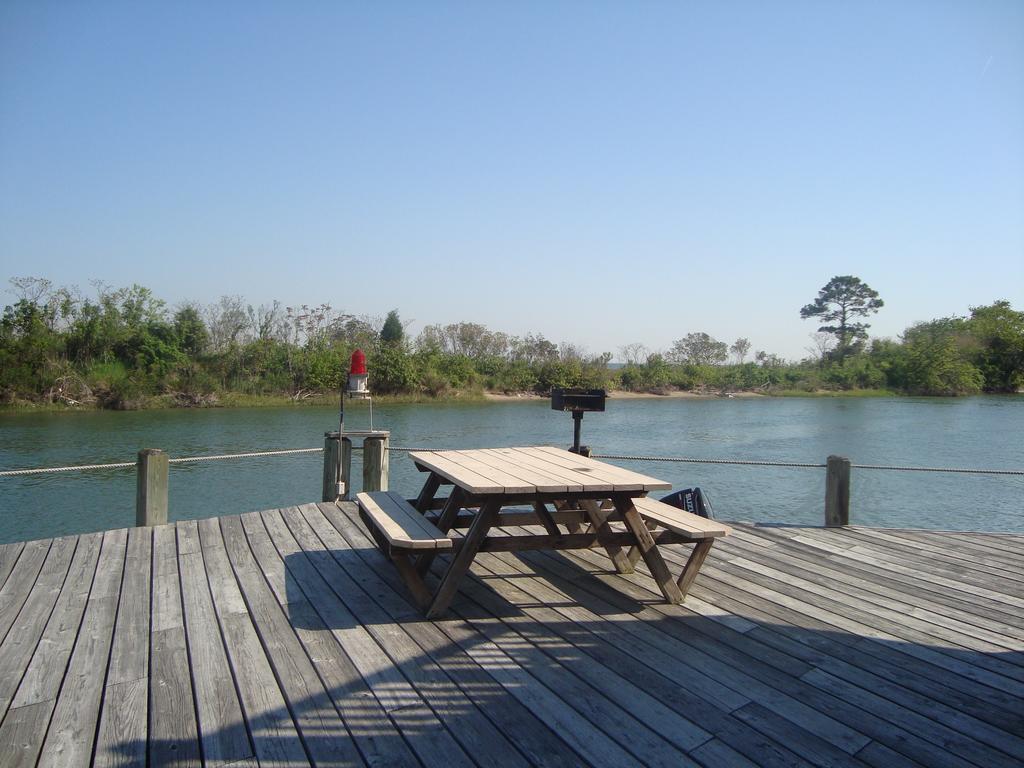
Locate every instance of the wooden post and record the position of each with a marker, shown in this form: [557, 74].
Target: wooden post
[151, 487]
[330, 483]
[375, 462]
[837, 491]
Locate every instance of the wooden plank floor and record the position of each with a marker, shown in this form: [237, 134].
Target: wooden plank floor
[283, 638]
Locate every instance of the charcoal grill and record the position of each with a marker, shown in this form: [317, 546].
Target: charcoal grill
[578, 402]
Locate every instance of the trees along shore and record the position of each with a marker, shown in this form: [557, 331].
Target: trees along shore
[124, 348]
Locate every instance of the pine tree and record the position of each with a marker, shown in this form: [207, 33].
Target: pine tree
[839, 301]
[392, 333]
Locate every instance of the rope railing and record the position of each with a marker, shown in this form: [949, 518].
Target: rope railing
[80, 467]
[251, 455]
[960, 470]
[765, 463]
[957, 470]
[610, 456]
[684, 460]
[181, 460]
[153, 464]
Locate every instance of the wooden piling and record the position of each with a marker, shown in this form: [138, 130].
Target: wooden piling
[151, 487]
[837, 491]
[375, 461]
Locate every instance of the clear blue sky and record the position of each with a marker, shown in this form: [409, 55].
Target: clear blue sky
[602, 173]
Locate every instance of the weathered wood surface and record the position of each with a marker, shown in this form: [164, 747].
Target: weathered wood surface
[399, 522]
[510, 471]
[679, 520]
[152, 473]
[284, 638]
[376, 462]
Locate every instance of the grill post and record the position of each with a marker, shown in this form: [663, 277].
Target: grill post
[578, 402]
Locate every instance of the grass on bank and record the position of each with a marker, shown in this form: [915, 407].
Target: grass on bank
[856, 393]
[330, 399]
[238, 400]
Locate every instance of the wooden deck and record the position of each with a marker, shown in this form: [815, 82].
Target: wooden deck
[283, 638]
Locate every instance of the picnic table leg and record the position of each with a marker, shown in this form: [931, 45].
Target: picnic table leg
[546, 519]
[573, 527]
[427, 494]
[634, 552]
[697, 557]
[444, 524]
[648, 549]
[484, 521]
[599, 522]
[413, 581]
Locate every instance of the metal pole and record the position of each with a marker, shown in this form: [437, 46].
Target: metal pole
[340, 474]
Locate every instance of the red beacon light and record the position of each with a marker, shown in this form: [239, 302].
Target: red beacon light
[358, 362]
[357, 377]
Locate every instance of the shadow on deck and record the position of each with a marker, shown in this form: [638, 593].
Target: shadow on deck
[284, 638]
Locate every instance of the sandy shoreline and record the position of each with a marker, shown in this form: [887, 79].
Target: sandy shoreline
[621, 395]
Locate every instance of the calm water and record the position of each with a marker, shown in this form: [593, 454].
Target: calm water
[973, 432]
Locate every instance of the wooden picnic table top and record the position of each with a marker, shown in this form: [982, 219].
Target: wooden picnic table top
[492, 478]
[537, 469]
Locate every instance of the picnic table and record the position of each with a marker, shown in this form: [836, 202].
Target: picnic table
[488, 489]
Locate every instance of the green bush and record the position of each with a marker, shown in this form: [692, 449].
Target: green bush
[559, 374]
[516, 376]
[458, 370]
[391, 371]
[125, 347]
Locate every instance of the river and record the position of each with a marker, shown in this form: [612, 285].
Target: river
[977, 432]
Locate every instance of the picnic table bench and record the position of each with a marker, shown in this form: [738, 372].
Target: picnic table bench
[487, 486]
